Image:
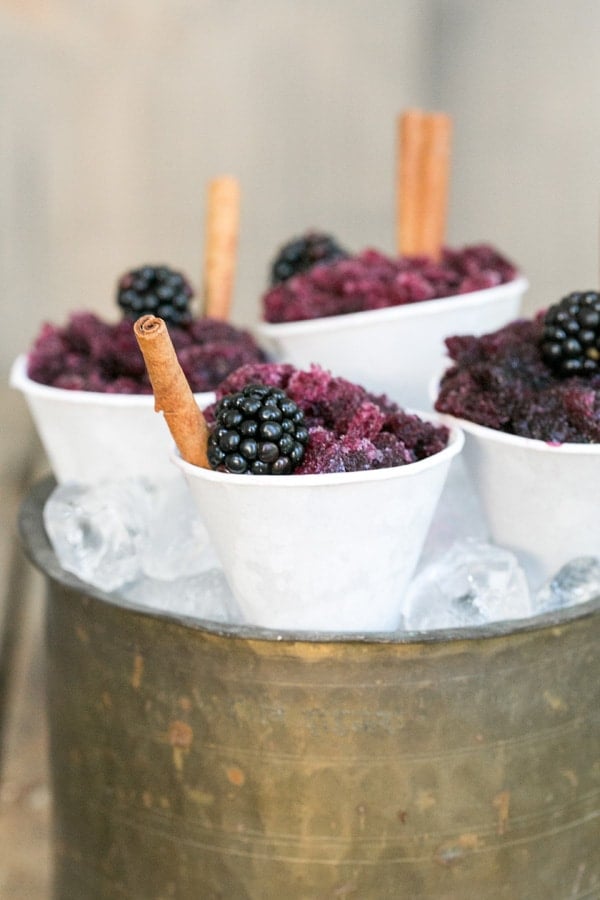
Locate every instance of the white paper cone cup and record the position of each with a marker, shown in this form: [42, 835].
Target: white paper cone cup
[91, 437]
[321, 552]
[394, 350]
[540, 500]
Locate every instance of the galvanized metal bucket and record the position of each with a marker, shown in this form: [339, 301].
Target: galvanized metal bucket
[193, 761]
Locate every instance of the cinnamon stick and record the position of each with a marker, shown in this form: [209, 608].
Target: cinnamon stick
[172, 393]
[408, 180]
[434, 183]
[423, 182]
[220, 245]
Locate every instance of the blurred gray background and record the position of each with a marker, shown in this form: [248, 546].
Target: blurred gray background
[116, 113]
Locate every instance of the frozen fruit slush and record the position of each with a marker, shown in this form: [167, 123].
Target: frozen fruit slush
[349, 429]
[508, 380]
[371, 280]
[88, 354]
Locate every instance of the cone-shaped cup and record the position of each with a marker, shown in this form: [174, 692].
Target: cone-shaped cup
[331, 552]
[539, 499]
[90, 437]
[393, 350]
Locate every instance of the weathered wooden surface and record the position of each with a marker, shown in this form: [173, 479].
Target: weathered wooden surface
[24, 793]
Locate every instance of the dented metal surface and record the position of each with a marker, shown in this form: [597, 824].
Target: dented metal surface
[198, 762]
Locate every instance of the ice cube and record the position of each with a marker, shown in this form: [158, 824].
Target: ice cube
[576, 582]
[98, 531]
[177, 544]
[200, 596]
[471, 583]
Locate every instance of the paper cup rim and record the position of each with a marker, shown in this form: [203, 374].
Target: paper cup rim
[332, 479]
[20, 380]
[424, 308]
[536, 445]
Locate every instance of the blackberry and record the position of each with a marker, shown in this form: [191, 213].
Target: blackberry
[257, 430]
[302, 253]
[155, 290]
[570, 341]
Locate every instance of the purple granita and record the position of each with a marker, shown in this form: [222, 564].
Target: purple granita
[371, 280]
[88, 354]
[501, 380]
[349, 428]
